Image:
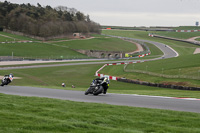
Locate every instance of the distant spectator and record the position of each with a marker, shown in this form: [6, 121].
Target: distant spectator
[73, 86]
[63, 84]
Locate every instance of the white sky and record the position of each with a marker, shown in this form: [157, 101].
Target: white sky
[131, 12]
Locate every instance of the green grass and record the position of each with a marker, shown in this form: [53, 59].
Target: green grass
[185, 65]
[181, 47]
[18, 37]
[64, 50]
[118, 71]
[80, 76]
[198, 39]
[171, 66]
[38, 50]
[31, 114]
[180, 35]
[188, 65]
[6, 39]
[100, 43]
[155, 51]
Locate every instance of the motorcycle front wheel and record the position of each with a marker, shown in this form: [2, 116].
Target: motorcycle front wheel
[87, 91]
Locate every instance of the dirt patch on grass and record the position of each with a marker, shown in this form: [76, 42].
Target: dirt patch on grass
[197, 51]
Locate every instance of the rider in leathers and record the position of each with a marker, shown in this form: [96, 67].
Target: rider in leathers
[105, 85]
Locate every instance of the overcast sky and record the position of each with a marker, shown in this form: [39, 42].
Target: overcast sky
[131, 12]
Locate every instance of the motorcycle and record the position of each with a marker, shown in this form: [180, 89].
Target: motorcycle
[7, 79]
[98, 86]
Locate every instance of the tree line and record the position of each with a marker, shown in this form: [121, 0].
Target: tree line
[45, 21]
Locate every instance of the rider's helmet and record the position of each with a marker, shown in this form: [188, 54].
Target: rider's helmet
[11, 76]
[106, 79]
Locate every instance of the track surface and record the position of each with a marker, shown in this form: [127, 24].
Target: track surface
[157, 102]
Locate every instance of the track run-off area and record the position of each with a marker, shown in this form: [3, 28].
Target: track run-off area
[158, 102]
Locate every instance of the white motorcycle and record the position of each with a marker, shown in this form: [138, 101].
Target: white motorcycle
[7, 79]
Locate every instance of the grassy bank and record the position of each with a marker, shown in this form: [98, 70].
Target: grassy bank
[5, 39]
[38, 50]
[63, 49]
[180, 35]
[188, 65]
[29, 114]
[100, 43]
[17, 37]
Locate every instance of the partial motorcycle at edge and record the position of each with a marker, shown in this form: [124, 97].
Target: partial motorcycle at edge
[7, 79]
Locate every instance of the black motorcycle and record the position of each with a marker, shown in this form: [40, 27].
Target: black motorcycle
[98, 86]
[7, 79]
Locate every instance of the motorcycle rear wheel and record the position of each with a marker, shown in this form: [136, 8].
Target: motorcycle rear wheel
[100, 90]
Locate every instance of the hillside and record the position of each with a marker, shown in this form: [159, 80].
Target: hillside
[58, 49]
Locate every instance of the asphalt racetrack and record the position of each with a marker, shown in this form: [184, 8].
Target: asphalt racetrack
[168, 103]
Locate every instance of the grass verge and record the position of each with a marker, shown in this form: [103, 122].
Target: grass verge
[17, 37]
[31, 114]
[100, 43]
